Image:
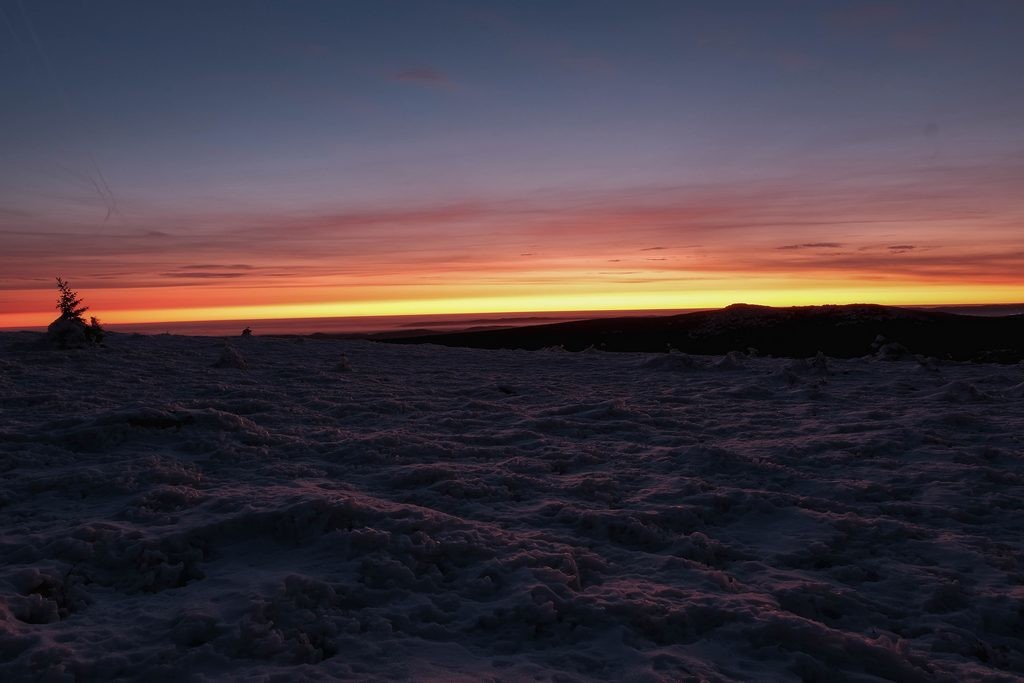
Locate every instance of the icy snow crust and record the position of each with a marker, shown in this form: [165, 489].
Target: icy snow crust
[456, 514]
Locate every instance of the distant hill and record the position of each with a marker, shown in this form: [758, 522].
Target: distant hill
[799, 331]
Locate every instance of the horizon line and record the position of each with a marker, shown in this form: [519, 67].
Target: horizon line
[455, 316]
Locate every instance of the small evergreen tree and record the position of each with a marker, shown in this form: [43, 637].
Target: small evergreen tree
[94, 332]
[68, 303]
[70, 306]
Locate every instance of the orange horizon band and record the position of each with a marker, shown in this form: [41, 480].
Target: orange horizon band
[105, 307]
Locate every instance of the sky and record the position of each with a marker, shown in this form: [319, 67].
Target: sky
[242, 160]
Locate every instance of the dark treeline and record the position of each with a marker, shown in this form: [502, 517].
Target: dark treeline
[838, 331]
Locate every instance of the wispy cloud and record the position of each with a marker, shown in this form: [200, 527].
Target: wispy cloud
[813, 245]
[217, 266]
[202, 275]
[425, 76]
[896, 24]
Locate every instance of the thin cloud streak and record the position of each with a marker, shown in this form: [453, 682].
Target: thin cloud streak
[423, 76]
[813, 245]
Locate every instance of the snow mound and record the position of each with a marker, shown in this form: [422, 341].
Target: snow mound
[734, 360]
[230, 357]
[959, 391]
[888, 350]
[672, 362]
[67, 333]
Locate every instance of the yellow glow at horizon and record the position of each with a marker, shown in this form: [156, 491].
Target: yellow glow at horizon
[778, 294]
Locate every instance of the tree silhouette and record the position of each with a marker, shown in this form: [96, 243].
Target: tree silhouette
[71, 309]
[68, 303]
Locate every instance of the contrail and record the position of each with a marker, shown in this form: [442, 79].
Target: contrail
[96, 177]
[10, 26]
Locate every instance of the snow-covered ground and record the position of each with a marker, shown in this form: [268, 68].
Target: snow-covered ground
[454, 514]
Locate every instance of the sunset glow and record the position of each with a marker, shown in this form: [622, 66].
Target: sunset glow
[511, 340]
[358, 164]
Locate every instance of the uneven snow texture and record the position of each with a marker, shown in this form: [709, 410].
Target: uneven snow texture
[429, 513]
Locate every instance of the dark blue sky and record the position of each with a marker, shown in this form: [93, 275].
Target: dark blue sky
[190, 118]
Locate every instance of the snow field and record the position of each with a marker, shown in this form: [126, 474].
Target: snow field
[342, 509]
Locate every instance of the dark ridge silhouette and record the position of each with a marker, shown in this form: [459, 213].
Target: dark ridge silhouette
[402, 334]
[796, 332]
